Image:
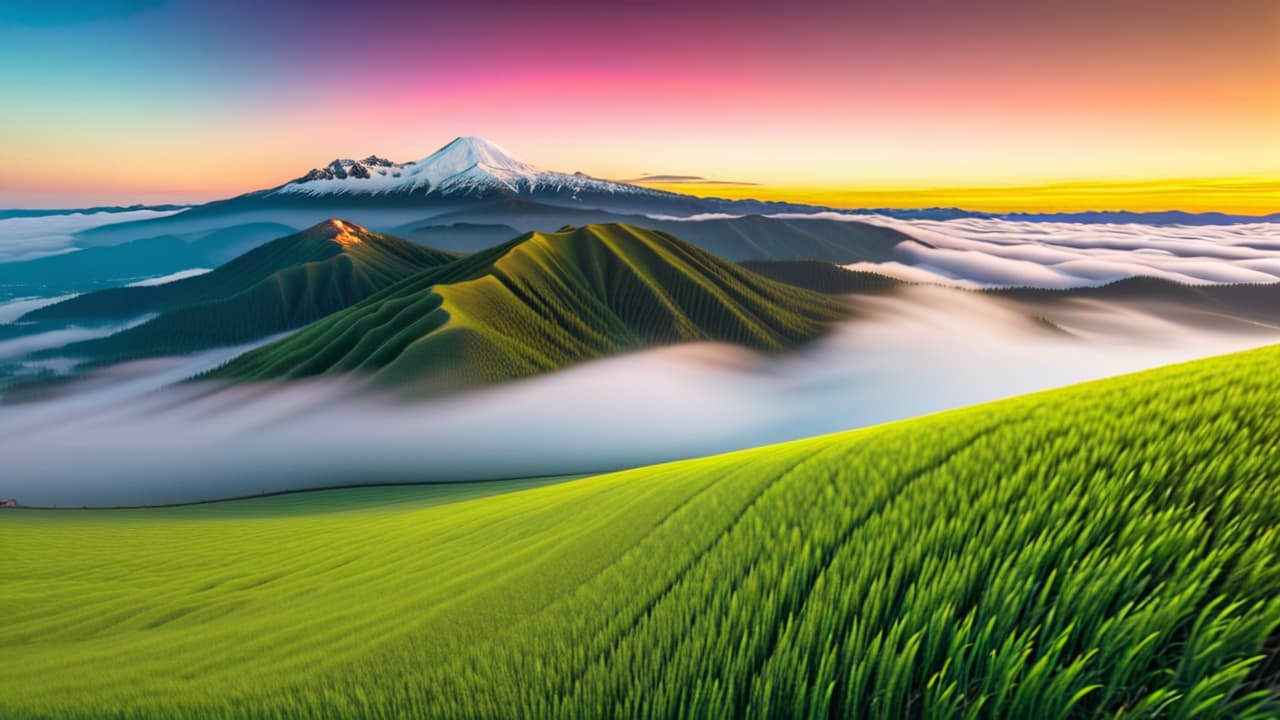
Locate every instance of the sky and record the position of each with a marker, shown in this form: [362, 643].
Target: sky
[990, 104]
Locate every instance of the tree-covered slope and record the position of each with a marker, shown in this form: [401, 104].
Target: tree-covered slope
[823, 277]
[1107, 550]
[1213, 305]
[544, 301]
[279, 286]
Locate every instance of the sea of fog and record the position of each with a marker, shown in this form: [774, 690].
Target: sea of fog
[992, 252]
[27, 238]
[130, 436]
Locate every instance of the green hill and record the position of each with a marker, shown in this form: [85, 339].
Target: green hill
[544, 301]
[1106, 550]
[278, 286]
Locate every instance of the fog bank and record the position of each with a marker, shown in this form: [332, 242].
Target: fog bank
[27, 238]
[123, 441]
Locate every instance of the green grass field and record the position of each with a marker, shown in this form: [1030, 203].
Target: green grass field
[1111, 549]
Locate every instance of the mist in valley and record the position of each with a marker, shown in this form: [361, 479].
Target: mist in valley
[134, 434]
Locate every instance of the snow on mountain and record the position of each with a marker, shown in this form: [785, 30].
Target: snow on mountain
[341, 169]
[472, 157]
[467, 166]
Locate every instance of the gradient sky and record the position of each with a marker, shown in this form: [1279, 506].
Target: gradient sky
[153, 101]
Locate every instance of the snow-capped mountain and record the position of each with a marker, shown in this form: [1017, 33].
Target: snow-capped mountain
[467, 167]
[467, 172]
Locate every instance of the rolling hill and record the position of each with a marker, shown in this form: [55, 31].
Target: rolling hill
[281, 285]
[544, 301]
[1105, 550]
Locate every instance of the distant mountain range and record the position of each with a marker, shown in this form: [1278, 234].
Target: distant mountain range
[475, 168]
[462, 195]
[463, 172]
[544, 301]
[472, 172]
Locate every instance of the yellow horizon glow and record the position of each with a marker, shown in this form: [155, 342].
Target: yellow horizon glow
[1239, 195]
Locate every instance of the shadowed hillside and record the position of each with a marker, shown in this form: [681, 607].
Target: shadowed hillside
[823, 277]
[1205, 305]
[282, 285]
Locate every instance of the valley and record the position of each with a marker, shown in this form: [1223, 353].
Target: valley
[466, 437]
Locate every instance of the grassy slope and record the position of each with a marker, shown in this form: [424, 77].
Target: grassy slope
[542, 302]
[282, 285]
[1112, 548]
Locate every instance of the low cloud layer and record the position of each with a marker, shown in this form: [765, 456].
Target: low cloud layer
[988, 252]
[124, 441]
[979, 252]
[11, 310]
[18, 347]
[27, 238]
[171, 277]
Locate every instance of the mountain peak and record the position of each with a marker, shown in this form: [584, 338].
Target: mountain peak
[466, 153]
[344, 233]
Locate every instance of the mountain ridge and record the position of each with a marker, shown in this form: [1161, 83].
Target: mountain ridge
[541, 302]
[467, 166]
